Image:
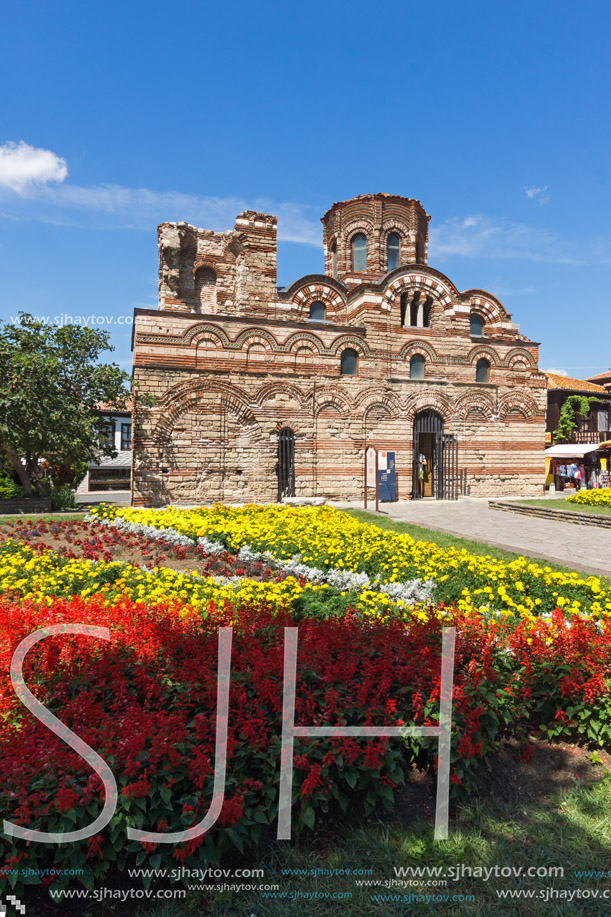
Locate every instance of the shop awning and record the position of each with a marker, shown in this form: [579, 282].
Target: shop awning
[571, 450]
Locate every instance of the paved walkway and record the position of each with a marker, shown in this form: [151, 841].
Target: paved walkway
[582, 547]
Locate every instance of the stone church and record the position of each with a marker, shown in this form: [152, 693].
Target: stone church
[263, 393]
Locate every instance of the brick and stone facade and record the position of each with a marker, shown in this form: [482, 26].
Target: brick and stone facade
[232, 360]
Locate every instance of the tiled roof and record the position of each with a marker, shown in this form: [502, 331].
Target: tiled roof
[565, 383]
[604, 377]
[110, 408]
[121, 460]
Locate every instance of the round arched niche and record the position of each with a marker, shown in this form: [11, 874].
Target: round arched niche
[204, 294]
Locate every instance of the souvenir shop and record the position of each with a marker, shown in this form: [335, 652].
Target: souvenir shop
[574, 466]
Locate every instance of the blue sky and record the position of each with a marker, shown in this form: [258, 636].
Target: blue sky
[494, 114]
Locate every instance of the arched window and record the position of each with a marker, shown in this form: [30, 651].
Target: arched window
[419, 252]
[416, 367]
[393, 244]
[317, 312]
[348, 362]
[205, 290]
[482, 370]
[476, 325]
[334, 260]
[359, 252]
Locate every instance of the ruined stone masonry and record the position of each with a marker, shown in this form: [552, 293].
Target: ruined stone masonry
[264, 392]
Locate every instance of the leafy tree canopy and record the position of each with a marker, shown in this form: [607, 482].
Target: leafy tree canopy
[567, 421]
[50, 384]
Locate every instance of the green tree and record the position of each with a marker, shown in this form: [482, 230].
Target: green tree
[50, 384]
[567, 421]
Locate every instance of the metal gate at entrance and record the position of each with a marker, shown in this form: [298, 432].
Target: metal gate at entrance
[286, 463]
[435, 459]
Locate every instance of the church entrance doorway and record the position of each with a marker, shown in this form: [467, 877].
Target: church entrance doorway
[435, 459]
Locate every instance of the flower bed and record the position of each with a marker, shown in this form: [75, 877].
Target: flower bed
[146, 701]
[83, 563]
[43, 576]
[326, 538]
[369, 654]
[592, 497]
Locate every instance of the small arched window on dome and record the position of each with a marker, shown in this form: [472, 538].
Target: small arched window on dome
[317, 312]
[349, 362]
[393, 247]
[419, 252]
[482, 370]
[334, 260]
[205, 290]
[476, 325]
[359, 252]
[416, 367]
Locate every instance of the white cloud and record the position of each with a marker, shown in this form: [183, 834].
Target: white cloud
[28, 172]
[479, 236]
[556, 372]
[23, 167]
[538, 194]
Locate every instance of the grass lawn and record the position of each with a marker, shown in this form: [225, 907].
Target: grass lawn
[445, 540]
[571, 830]
[564, 504]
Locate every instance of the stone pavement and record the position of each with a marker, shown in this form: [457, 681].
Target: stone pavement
[582, 547]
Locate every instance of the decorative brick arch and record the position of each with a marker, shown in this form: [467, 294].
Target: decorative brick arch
[487, 305]
[425, 350]
[186, 397]
[518, 404]
[377, 412]
[205, 330]
[366, 399]
[256, 336]
[319, 291]
[278, 387]
[304, 339]
[401, 229]
[355, 227]
[485, 351]
[286, 424]
[345, 342]
[418, 281]
[379, 407]
[333, 393]
[479, 404]
[520, 354]
[333, 401]
[428, 401]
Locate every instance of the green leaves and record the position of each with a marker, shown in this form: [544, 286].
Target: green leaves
[50, 384]
[567, 421]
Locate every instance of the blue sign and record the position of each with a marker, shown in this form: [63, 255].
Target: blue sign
[387, 485]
